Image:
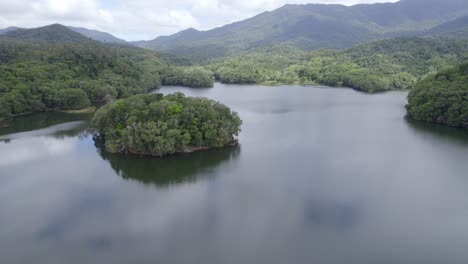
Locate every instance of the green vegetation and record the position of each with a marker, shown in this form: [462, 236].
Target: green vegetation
[264, 64]
[315, 26]
[191, 77]
[70, 76]
[390, 64]
[441, 98]
[158, 125]
[55, 68]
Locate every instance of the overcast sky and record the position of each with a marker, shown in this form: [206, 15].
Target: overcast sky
[141, 19]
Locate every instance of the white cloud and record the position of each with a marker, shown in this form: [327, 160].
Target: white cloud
[143, 19]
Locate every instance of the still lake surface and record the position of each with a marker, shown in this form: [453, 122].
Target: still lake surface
[322, 175]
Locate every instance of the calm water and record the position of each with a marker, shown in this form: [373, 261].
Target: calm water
[322, 175]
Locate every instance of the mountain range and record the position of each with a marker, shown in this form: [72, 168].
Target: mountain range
[307, 27]
[98, 35]
[454, 28]
[8, 29]
[58, 32]
[315, 26]
[52, 33]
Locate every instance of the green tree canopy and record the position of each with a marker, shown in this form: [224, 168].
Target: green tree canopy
[158, 125]
[441, 98]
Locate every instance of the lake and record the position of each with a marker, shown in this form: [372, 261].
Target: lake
[321, 175]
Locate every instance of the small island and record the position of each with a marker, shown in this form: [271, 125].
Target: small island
[441, 98]
[158, 125]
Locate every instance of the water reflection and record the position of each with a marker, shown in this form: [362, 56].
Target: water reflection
[39, 120]
[455, 135]
[341, 216]
[71, 129]
[324, 176]
[170, 170]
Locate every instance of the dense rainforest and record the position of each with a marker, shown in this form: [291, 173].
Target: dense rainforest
[64, 68]
[389, 64]
[441, 98]
[158, 125]
[47, 69]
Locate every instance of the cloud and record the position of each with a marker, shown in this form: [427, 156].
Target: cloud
[144, 19]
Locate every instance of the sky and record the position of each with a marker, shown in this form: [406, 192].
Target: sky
[141, 19]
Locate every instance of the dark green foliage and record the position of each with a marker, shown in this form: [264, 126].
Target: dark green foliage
[265, 64]
[389, 64]
[238, 72]
[191, 77]
[71, 99]
[40, 76]
[158, 125]
[441, 98]
[312, 26]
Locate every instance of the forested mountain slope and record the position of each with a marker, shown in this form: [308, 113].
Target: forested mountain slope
[67, 75]
[389, 64]
[313, 26]
[54, 67]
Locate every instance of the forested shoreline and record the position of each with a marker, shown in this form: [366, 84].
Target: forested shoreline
[391, 64]
[441, 98]
[54, 68]
[41, 76]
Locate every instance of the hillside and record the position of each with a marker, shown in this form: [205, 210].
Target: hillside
[388, 64]
[312, 26]
[38, 76]
[456, 28]
[56, 68]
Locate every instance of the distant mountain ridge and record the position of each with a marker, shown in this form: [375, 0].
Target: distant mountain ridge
[97, 35]
[8, 29]
[53, 33]
[307, 27]
[313, 26]
[100, 36]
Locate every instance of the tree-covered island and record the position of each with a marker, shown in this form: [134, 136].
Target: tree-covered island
[158, 125]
